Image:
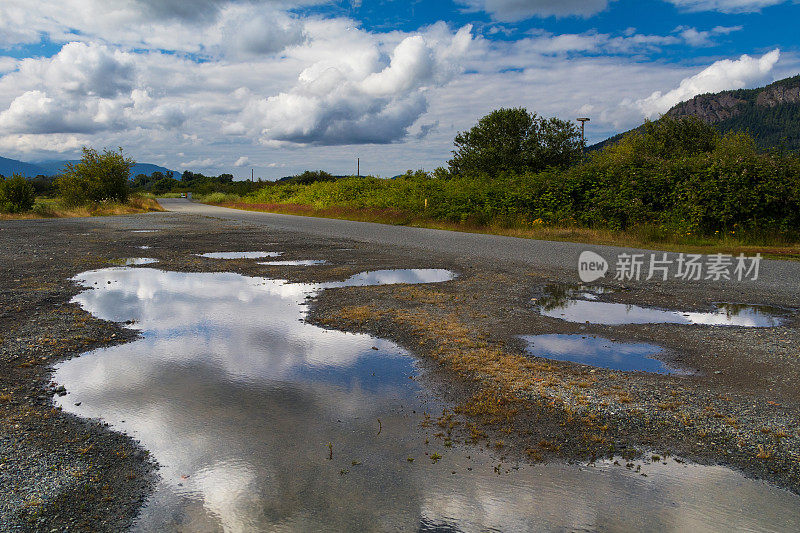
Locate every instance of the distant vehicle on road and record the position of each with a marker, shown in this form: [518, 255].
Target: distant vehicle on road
[183, 195]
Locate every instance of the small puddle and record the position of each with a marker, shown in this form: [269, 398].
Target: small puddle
[144, 247]
[133, 261]
[240, 255]
[299, 262]
[600, 352]
[144, 231]
[615, 314]
[581, 305]
[262, 421]
[392, 277]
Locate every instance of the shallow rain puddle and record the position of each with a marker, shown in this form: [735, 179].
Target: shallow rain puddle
[606, 313]
[391, 277]
[240, 255]
[133, 261]
[299, 262]
[598, 351]
[262, 421]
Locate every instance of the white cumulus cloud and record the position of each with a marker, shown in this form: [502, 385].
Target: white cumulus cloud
[516, 10]
[720, 76]
[7, 64]
[84, 69]
[232, 27]
[695, 37]
[725, 6]
[85, 88]
[351, 99]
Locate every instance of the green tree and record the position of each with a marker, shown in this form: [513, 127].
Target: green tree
[164, 185]
[664, 139]
[97, 177]
[16, 194]
[669, 137]
[311, 176]
[515, 141]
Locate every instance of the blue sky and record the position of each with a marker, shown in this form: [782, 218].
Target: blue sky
[287, 85]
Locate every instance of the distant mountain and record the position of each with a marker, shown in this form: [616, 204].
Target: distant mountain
[149, 168]
[770, 114]
[53, 167]
[9, 167]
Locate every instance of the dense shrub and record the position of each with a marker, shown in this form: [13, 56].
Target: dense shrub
[310, 176]
[725, 185]
[676, 176]
[97, 177]
[17, 195]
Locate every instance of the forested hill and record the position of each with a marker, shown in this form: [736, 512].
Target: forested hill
[770, 114]
[9, 167]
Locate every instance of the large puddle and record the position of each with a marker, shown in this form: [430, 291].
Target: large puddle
[262, 421]
[599, 351]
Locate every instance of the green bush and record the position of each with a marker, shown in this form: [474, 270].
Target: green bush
[97, 177]
[675, 177]
[17, 195]
[311, 176]
[217, 198]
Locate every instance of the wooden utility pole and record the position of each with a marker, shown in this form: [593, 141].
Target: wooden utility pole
[358, 167]
[252, 174]
[583, 121]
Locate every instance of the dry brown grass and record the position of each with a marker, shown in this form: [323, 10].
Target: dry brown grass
[51, 208]
[423, 296]
[507, 386]
[503, 379]
[30, 215]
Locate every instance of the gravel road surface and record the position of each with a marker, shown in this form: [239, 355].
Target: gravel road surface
[740, 405]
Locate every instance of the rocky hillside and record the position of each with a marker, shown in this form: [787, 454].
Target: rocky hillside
[727, 105]
[770, 114]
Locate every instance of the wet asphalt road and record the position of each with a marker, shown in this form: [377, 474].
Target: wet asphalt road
[774, 276]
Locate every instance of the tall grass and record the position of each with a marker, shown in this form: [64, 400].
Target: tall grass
[53, 208]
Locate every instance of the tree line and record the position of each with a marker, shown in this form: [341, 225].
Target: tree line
[513, 168]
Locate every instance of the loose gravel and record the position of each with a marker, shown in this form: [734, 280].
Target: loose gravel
[740, 407]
